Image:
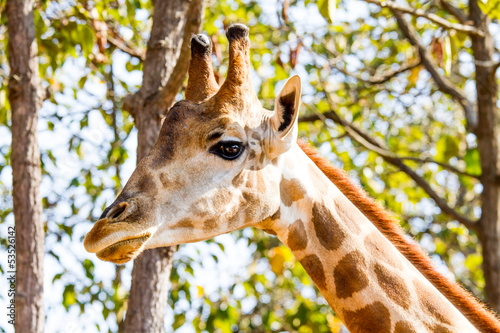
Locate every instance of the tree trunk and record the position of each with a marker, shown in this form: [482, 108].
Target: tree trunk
[25, 100]
[167, 59]
[487, 138]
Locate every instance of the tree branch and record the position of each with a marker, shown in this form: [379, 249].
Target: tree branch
[431, 17]
[125, 48]
[444, 165]
[457, 12]
[493, 64]
[379, 79]
[369, 143]
[442, 82]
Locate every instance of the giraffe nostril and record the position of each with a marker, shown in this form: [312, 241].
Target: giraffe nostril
[116, 210]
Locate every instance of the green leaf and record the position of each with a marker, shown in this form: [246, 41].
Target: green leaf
[86, 38]
[446, 148]
[490, 8]
[179, 320]
[57, 277]
[327, 9]
[472, 162]
[473, 261]
[89, 268]
[69, 296]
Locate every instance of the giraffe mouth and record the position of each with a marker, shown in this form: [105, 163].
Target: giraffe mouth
[124, 250]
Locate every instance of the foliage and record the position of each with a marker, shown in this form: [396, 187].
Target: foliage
[90, 59]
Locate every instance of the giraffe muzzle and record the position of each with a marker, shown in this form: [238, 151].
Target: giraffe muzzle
[123, 251]
[116, 241]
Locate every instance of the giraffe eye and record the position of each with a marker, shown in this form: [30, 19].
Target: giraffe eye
[228, 150]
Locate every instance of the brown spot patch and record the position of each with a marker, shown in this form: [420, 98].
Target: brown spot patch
[164, 179]
[251, 203]
[379, 247]
[393, 286]
[327, 229]
[239, 179]
[256, 136]
[222, 198]
[314, 268]
[147, 185]
[290, 191]
[184, 223]
[270, 231]
[276, 215]
[297, 237]
[251, 155]
[431, 303]
[349, 274]
[261, 158]
[373, 318]
[404, 327]
[170, 135]
[438, 328]
[210, 224]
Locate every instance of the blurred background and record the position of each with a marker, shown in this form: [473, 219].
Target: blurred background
[402, 95]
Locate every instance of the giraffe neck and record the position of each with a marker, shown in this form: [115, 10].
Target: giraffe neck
[369, 284]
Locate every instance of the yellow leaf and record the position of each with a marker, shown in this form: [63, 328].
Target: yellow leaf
[414, 73]
[334, 323]
[277, 260]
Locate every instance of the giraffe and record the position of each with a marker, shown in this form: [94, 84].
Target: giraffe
[222, 162]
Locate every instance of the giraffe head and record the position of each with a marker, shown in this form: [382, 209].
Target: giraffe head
[214, 167]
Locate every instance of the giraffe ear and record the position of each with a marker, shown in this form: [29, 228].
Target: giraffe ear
[286, 110]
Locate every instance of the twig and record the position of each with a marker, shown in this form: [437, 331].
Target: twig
[125, 48]
[331, 115]
[431, 17]
[444, 165]
[379, 79]
[443, 83]
[457, 12]
[493, 64]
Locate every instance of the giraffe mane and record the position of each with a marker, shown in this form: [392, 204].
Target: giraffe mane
[476, 312]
